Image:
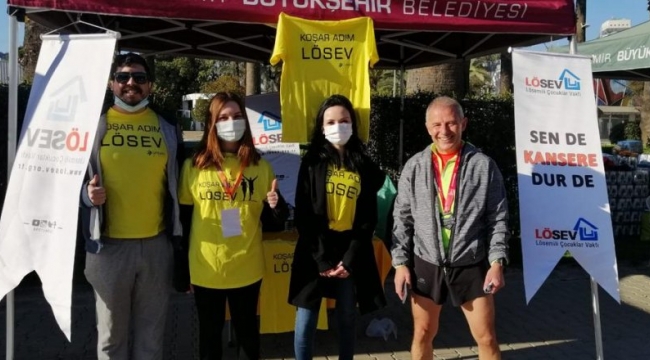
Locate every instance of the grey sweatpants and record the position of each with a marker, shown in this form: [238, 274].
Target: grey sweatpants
[132, 279]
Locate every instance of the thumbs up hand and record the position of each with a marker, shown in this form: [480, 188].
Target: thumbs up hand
[96, 193]
[272, 196]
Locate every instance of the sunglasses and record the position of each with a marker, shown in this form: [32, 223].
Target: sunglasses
[123, 77]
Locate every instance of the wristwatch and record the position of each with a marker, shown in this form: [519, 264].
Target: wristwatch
[500, 261]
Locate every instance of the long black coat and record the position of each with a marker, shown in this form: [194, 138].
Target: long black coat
[319, 249]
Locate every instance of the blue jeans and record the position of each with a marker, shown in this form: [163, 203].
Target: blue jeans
[307, 319]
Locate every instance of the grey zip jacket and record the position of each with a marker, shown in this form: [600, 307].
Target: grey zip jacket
[481, 217]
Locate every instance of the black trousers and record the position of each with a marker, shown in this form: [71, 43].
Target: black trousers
[211, 308]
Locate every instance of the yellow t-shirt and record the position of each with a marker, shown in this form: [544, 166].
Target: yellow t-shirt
[342, 188]
[218, 259]
[447, 173]
[320, 59]
[279, 315]
[133, 156]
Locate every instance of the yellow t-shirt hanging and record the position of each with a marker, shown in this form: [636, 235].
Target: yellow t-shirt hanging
[342, 188]
[133, 144]
[219, 259]
[320, 59]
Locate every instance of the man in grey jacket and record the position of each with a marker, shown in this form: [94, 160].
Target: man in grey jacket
[450, 236]
[130, 214]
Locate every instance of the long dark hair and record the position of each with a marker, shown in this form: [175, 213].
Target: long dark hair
[321, 149]
[208, 152]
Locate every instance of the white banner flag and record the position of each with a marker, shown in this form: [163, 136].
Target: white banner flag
[263, 115]
[562, 190]
[38, 228]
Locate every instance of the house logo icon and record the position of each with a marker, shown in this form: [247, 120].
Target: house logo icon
[570, 80]
[66, 99]
[270, 121]
[586, 230]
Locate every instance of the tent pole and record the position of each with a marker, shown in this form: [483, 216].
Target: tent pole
[12, 126]
[401, 108]
[573, 46]
[594, 286]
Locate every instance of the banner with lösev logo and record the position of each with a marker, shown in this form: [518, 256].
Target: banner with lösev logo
[562, 190]
[38, 227]
[264, 118]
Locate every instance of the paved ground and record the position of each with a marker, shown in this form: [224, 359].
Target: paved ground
[557, 324]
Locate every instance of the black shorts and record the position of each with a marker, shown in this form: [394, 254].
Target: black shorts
[461, 284]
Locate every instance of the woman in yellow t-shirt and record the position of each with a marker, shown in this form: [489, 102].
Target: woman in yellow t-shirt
[227, 188]
[336, 214]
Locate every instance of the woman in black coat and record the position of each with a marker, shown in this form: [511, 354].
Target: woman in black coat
[336, 214]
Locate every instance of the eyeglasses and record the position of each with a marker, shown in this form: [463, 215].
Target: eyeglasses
[123, 77]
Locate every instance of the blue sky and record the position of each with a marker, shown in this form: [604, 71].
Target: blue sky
[597, 12]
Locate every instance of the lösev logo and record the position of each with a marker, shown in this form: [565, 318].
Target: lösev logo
[270, 121]
[583, 230]
[567, 83]
[66, 100]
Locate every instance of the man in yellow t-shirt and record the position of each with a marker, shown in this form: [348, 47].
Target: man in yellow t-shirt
[129, 215]
[323, 58]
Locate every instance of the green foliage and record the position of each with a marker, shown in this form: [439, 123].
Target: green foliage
[228, 83]
[627, 130]
[617, 133]
[381, 82]
[632, 130]
[178, 76]
[480, 74]
[201, 109]
[186, 123]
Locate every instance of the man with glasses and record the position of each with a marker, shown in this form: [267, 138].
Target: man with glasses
[129, 215]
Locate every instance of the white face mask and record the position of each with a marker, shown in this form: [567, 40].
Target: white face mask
[338, 134]
[131, 108]
[231, 130]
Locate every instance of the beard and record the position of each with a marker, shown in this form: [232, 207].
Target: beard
[127, 98]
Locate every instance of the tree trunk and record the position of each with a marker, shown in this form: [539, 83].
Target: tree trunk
[645, 114]
[450, 79]
[581, 20]
[31, 48]
[253, 78]
[505, 82]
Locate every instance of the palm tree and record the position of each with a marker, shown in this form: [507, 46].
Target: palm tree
[31, 48]
[253, 83]
[381, 82]
[481, 71]
[645, 115]
[581, 17]
[452, 79]
[505, 77]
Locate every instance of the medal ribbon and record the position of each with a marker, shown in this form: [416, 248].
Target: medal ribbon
[231, 190]
[448, 200]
